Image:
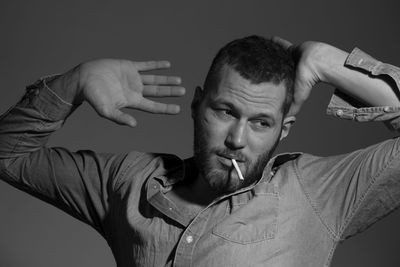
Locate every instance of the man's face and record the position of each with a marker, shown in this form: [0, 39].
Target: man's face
[237, 120]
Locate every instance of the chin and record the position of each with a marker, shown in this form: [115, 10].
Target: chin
[220, 181]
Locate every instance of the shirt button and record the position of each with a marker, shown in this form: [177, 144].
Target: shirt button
[189, 239]
[339, 112]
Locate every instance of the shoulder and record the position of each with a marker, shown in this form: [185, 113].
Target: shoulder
[137, 166]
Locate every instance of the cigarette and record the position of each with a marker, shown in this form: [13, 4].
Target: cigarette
[237, 169]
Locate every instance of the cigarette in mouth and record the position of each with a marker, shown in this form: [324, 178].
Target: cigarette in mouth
[237, 169]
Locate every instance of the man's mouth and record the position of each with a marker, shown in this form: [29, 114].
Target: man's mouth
[226, 159]
[229, 157]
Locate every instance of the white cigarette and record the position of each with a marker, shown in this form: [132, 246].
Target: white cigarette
[237, 169]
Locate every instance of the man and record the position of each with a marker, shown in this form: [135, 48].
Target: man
[159, 210]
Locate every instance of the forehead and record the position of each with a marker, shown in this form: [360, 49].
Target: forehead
[236, 90]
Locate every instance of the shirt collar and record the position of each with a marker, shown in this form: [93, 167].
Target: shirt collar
[177, 170]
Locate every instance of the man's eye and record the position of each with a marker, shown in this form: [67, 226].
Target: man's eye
[225, 112]
[261, 123]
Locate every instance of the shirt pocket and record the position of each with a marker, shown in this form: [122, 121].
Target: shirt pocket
[252, 222]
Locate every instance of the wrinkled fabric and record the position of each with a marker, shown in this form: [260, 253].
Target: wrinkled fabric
[295, 215]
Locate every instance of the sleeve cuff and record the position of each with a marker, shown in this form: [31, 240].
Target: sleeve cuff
[46, 101]
[346, 107]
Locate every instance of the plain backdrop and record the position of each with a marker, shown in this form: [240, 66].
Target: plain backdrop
[45, 37]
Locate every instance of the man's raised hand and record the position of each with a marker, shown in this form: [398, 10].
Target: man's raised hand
[109, 85]
[307, 57]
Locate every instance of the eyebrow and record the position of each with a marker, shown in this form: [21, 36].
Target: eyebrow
[263, 114]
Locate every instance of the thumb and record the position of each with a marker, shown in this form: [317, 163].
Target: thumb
[294, 109]
[122, 118]
[302, 90]
[283, 42]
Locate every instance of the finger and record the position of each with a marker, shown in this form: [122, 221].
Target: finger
[156, 107]
[122, 118]
[163, 91]
[152, 65]
[159, 79]
[294, 109]
[285, 43]
[300, 98]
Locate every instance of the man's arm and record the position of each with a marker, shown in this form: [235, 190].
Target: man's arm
[77, 182]
[320, 62]
[372, 90]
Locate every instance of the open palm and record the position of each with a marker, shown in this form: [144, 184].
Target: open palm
[109, 85]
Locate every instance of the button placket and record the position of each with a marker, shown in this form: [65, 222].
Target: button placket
[157, 199]
[187, 243]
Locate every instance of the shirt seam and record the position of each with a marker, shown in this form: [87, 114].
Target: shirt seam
[55, 94]
[38, 108]
[334, 236]
[331, 253]
[120, 177]
[42, 85]
[362, 198]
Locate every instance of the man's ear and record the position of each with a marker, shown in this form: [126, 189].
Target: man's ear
[197, 98]
[286, 126]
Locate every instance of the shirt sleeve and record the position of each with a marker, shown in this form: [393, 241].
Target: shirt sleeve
[80, 183]
[346, 107]
[350, 192]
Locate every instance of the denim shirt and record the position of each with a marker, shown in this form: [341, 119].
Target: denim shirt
[295, 215]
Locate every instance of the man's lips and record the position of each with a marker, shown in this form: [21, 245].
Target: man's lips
[226, 159]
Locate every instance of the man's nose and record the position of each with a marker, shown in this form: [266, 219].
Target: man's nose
[237, 136]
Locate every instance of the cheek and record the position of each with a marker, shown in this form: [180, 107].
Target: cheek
[214, 130]
[260, 144]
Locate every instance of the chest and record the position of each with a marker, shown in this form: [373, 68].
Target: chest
[274, 226]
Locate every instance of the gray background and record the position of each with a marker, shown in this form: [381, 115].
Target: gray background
[45, 37]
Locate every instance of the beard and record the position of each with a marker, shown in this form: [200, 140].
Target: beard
[218, 175]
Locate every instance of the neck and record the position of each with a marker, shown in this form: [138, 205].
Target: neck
[195, 194]
[202, 192]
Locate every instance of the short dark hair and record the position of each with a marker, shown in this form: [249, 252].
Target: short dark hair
[258, 60]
